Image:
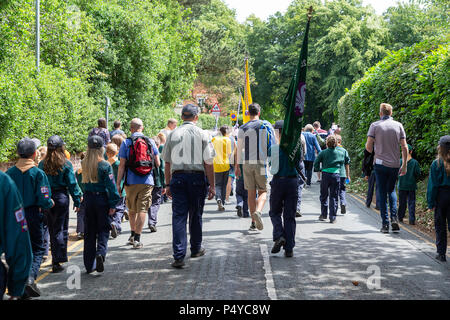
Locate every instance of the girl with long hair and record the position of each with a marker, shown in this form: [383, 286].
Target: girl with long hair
[62, 180]
[100, 197]
[438, 195]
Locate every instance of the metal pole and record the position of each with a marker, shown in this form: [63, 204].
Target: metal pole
[38, 26]
[108, 104]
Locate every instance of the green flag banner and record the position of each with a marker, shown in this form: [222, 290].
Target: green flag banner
[295, 105]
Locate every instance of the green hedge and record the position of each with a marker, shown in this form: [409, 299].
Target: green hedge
[208, 122]
[416, 82]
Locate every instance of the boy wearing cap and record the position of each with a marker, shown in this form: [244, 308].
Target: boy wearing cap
[407, 186]
[101, 198]
[283, 197]
[34, 188]
[438, 195]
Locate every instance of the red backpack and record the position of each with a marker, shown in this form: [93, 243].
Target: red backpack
[140, 157]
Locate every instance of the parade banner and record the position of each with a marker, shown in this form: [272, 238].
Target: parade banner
[295, 105]
[247, 95]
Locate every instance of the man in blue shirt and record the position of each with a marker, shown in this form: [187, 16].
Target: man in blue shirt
[312, 146]
[283, 198]
[138, 188]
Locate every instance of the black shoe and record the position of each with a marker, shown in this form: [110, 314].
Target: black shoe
[113, 231]
[412, 223]
[178, 264]
[239, 211]
[152, 228]
[377, 208]
[385, 228]
[367, 205]
[394, 225]
[198, 254]
[126, 216]
[31, 289]
[400, 220]
[322, 218]
[288, 254]
[298, 214]
[332, 220]
[252, 227]
[99, 263]
[278, 244]
[57, 268]
[343, 210]
[441, 257]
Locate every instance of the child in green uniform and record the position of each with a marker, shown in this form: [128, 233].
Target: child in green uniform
[62, 180]
[81, 212]
[407, 186]
[101, 198]
[14, 240]
[34, 188]
[438, 195]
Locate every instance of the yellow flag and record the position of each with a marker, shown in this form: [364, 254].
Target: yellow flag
[247, 95]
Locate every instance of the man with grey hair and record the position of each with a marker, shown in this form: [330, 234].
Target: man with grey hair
[188, 156]
[139, 180]
[384, 138]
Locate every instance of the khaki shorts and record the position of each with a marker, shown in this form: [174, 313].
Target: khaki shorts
[255, 177]
[139, 197]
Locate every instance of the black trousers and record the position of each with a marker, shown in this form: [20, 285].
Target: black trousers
[442, 219]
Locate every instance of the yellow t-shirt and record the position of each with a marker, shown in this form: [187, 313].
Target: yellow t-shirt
[222, 146]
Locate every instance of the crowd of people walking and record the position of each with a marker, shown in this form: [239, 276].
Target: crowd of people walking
[128, 178]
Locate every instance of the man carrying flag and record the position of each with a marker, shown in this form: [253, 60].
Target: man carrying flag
[286, 159]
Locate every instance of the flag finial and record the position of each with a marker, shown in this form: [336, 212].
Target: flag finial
[310, 12]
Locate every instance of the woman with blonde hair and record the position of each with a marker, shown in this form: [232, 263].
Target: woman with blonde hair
[438, 195]
[62, 180]
[332, 159]
[101, 198]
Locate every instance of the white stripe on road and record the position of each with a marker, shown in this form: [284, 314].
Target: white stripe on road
[270, 285]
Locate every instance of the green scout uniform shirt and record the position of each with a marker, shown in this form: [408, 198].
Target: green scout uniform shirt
[342, 171]
[115, 168]
[187, 148]
[332, 160]
[65, 179]
[408, 181]
[14, 236]
[279, 163]
[438, 178]
[33, 186]
[106, 183]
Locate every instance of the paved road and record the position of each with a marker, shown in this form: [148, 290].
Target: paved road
[329, 259]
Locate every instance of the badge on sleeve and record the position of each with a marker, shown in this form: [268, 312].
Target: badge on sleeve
[20, 216]
[44, 191]
[111, 177]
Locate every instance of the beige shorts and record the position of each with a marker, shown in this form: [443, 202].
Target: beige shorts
[255, 177]
[139, 197]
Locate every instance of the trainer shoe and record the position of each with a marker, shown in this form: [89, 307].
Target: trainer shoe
[278, 244]
[252, 227]
[99, 263]
[385, 228]
[441, 257]
[113, 231]
[394, 225]
[178, 264]
[343, 210]
[31, 289]
[239, 211]
[220, 205]
[152, 228]
[130, 241]
[200, 253]
[137, 245]
[298, 214]
[258, 220]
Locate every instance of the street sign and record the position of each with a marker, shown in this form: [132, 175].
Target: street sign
[233, 116]
[215, 111]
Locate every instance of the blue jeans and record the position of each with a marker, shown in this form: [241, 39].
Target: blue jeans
[242, 197]
[97, 226]
[407, 196]
[329, 187]
[283, 201]
[221, 181]
[188, 199]
[386, 178]
[118, 215]
[442, 219]
[36, 229]
[342, 190]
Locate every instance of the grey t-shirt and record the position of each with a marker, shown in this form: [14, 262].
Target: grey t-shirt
[254, 141]
[387, 134]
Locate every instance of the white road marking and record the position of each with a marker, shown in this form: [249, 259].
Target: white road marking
[270, 285]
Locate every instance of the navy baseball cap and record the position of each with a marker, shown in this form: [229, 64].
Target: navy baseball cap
[189, 110]
[445, 141]
[95, 142]
[26, 147]
[55, 142]
[279, 124]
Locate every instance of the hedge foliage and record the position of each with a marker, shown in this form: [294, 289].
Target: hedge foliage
[208, 122]
[416, 82]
